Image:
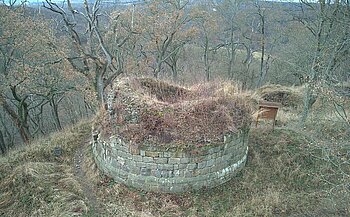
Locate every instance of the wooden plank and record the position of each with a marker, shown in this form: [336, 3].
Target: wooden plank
[267, 110]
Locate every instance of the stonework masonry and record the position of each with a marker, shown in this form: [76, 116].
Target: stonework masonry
[153, 168]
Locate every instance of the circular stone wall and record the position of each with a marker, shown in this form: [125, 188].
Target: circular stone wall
[171, 170]
[164, 167]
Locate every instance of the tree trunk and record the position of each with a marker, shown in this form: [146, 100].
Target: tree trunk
[246, 63]
[206, 59]
[54, 111]
[310, 96]
[263, 42]
[99, 86]
[231, 54]
[175, 73]
[172, 63]
[230, 65]
[173, 59]
[309, 99]
[19, 118]
[2, 143]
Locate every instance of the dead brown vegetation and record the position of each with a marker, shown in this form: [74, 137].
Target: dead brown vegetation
[146, 110]
[289, 172]
[287, 96]
[36, 182]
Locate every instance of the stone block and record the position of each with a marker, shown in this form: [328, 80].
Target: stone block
[237, 158]
[191, 166]
[208, 157]
[202, 164]
[114, 152]
[141, 164]
[174, 160]
[134, 169]
[196, 179]
[142, 152]
[229, 150]
[151, 180]
[176, 173]
[145, 171]
[218, 160]
[122, 148]
[114, 163]
[196, 172]
[153, 166]
[161, 160]
[179, 153]
[213, 169]
[113, 145]
[98, 148]
[182, 173]
[137, 158]
[167, 173]
[221, 165]
[121, 160]
[218, 154]
[137, 184]
[131, 163]
[147, 159]
[201, 172]
[181, 166]
[156, 173]
[167, 154]
[210, 162]
[184, 160]
[130, 179]
[122, 174]
[124, 155]
[226, 157]
[188, 173]
[205, 171]
[151, 154]
[165, 166]
[125, 168]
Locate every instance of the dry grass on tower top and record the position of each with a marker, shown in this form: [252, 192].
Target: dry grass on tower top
[287, 96]
[145, 110]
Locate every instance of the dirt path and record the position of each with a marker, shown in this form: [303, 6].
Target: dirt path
[85, 183]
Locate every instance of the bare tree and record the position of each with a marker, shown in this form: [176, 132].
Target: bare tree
[30, 70]
[328, 22]
[90, 55]
[164, 33]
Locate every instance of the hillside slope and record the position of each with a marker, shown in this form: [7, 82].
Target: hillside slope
[289, 172]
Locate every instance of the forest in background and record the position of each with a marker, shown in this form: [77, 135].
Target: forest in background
[58, 60]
